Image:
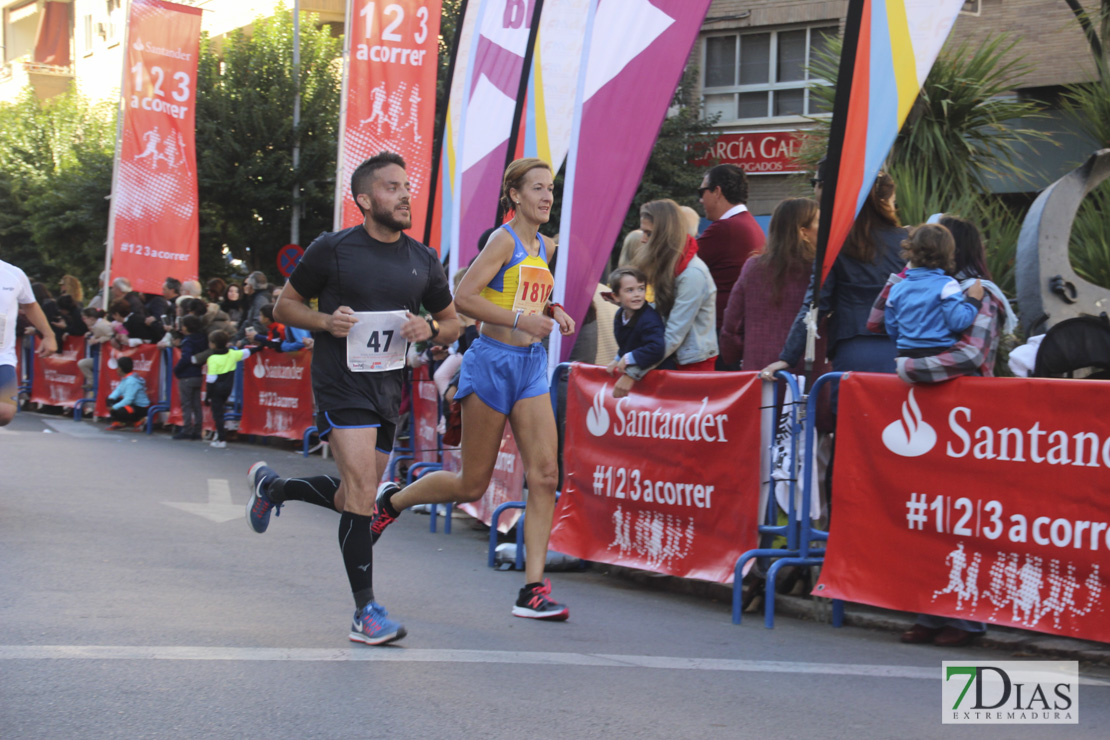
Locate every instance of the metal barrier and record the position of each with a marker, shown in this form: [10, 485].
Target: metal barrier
[79, 407]
[799, 530]
[556, 377]
[165, 388]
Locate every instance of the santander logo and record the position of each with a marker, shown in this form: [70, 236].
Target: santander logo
[259, 370]
[597, 418]
[910, 436]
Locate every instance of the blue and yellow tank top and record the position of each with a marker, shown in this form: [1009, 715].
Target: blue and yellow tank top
[525, 283]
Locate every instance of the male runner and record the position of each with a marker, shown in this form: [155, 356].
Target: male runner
[370, 281]
[16, 295]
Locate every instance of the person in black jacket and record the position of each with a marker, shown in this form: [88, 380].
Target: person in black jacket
[638, 327]
[189, 378]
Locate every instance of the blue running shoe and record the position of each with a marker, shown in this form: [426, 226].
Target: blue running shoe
[259, 504]
[373, 626]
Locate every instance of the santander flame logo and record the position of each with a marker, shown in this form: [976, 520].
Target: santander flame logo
[259, 370]
[910, 436]
[597, 418]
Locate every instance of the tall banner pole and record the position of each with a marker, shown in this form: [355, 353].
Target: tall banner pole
[832, 167]
[567, 214]
[295, 220]
[120, 111]
[340, 185]
[456, 186]
[441, 125]
[521, 96]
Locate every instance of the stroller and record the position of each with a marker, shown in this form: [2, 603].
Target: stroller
[1076, 348]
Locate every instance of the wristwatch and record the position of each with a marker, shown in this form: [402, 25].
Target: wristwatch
[433, 325]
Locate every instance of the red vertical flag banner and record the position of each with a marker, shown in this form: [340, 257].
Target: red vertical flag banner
[277, 394]
[955, 500]
[155, 227]
[392, 60]
[666, 479]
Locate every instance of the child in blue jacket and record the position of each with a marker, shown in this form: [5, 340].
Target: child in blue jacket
[926, 312]
[637, 327]
[131, 401]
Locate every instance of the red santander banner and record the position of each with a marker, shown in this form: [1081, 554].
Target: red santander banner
[665, 479]
[146, 361]
[58, 381]
[277, 394]
[506, 485]
[954, 500]
[155, 227]
[391, 96]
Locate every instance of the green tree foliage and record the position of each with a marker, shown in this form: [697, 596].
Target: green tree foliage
[55, 176]
[245, 139]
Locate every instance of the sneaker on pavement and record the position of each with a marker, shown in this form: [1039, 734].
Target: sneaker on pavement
[259, 504]
[380, 519]
[218, 444]
[533, 603]
[115, 425]
[372, 626]
[141, 423]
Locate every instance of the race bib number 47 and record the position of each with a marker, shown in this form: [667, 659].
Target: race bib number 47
[375, 344]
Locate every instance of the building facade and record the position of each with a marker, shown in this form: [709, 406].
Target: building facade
[49, 44]
[753, 57]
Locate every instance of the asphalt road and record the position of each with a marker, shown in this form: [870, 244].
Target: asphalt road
[136, 603]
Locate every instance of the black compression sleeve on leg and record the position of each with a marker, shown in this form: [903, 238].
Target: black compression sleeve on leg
[357, 547]
[319, 490]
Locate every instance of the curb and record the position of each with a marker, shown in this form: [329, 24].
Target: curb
[1020, 643]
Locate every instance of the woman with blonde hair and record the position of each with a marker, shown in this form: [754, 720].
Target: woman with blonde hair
[684, 291]
[766, 296]
[71, 287]
[504, 377]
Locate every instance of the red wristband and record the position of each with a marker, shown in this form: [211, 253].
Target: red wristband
[550, 310]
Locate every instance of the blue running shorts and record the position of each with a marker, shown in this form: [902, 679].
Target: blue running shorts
[9, 384]
[356, 419]
[501, 374]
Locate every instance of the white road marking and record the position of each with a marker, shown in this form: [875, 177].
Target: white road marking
[72, 428]
[219, 508]
[400, 654]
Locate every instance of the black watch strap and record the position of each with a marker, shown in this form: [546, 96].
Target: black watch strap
[433, 325]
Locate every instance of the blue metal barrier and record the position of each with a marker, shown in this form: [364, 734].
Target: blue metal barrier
[28, 350]
[518, 564]
[165, 388]
[799, 530]
[556, 377]
[79, 407]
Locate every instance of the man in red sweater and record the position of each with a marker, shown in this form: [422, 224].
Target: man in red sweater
[733, 236]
